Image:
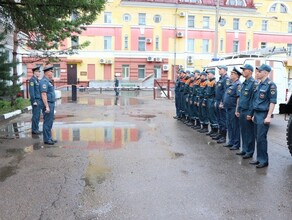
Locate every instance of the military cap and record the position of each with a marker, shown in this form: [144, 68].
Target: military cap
[223, 67]
[197, 71]
[235, 70]
[203, 73]
[247, 66]
[192, 75]
[211, 71]
[37, 68]
[48, 68]
[264, 67]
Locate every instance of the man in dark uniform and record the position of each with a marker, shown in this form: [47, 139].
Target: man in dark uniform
[264, 101]
[35, 100]
[197, 124]
[177, 96]
[230, 101]
[221, 85]
[202, 103]
[48, 104]
[244, 112]
[181, 92]
[190, 101]
[116, 85]
[210, 97]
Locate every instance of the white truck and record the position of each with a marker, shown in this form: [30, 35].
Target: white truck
[278, 74]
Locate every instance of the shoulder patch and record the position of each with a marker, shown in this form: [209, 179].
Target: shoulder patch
[44, 86]
[227, 82]
[239, 87]
[31, 84]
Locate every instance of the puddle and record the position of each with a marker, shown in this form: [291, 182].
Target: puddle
[16, 130]
[93, 101]
[95, 135]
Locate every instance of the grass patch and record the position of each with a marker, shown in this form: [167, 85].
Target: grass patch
[21, 103]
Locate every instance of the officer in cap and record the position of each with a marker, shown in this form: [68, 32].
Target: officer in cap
[47, 90]
[194, 108]
[221, 86]
[244, 112]
[202, 104]
[177, 95]
[35, 100]
[229, 101]
[264, 101]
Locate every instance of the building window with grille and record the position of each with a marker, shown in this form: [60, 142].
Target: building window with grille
[57, 71]
[191, 21]
[74, 41]
[141, 71]
[142, 19]
[206, 21]
[126, 42]
[141, 44]
[235, 46]
[205, 47]
[235, 23]
[263, 45]
[125, 71]
[191, 45]
[107, 43]
[157, 72]
[107, 17]
[264, 25]
[157, 43]
[289, 27]
[126, 17]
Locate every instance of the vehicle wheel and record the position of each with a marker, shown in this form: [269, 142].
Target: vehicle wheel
[289, 134]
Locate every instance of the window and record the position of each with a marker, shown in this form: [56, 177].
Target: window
[264, 25]
[126, 42]
[141, 44]
[107, 17]
[141, 71]
[24, 70]
[191, 21]
[249, 24]
[235, 23]
[289, 27]
[206, 22]
[283, 8]
[191, 45]
[126, 17]
[57, 71]
[157, 18]
[263, 45]
[142, 19]
[125, 71]
[236, 2]
[157, 72]
[221, 45]
[157, 43]
[222, 22]
[273, 8]
[74, 41]
[235, 48]
[289, 49]
[107, 42]
[205, 48]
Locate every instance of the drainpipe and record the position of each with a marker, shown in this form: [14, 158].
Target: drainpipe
[216, 29]
[186, 41]
[174, 54]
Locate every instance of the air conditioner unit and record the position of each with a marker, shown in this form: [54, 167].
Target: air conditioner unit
[109, 62]
[148, 40]
[102, 61]
[179, 34]
[158, 59]
[182, 14]
[150, 59]
[190, 60]
[165, 67]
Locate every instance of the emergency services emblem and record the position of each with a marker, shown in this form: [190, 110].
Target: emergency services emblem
[245, 93]
[227, 82]
[44, 86]
[262, 95]
[219, 84]
[238, 88]
[229, 91]
[273, 92]
[31, 84]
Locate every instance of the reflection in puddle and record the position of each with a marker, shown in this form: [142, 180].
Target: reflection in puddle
[121, 100]
[15, 130]
[96, 135]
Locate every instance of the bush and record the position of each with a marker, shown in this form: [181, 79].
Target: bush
[5, 106]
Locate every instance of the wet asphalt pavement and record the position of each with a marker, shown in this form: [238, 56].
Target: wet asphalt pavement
[127, 158]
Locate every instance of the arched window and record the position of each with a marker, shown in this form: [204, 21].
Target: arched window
[273, 8]
[283, 8]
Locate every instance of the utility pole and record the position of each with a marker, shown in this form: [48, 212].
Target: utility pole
[216, 29]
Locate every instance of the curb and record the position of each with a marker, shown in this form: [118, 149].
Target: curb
[14, 113]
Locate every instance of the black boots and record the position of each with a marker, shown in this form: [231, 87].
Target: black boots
[213, 131]
[222, 140]
[204, 129]
[198, 124]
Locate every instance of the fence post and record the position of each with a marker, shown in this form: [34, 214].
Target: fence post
[168, 88]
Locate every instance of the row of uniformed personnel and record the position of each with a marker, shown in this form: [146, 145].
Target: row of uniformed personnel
[243, 111]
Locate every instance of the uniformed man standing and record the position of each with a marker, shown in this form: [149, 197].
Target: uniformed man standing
[202, 103]
[197, 124]
[230, 101]
[221, 85]
[35, 100]
[210, 97]
[48, 104]
[244, 112]
[116, 85]
[177, 96]
[264, 101]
